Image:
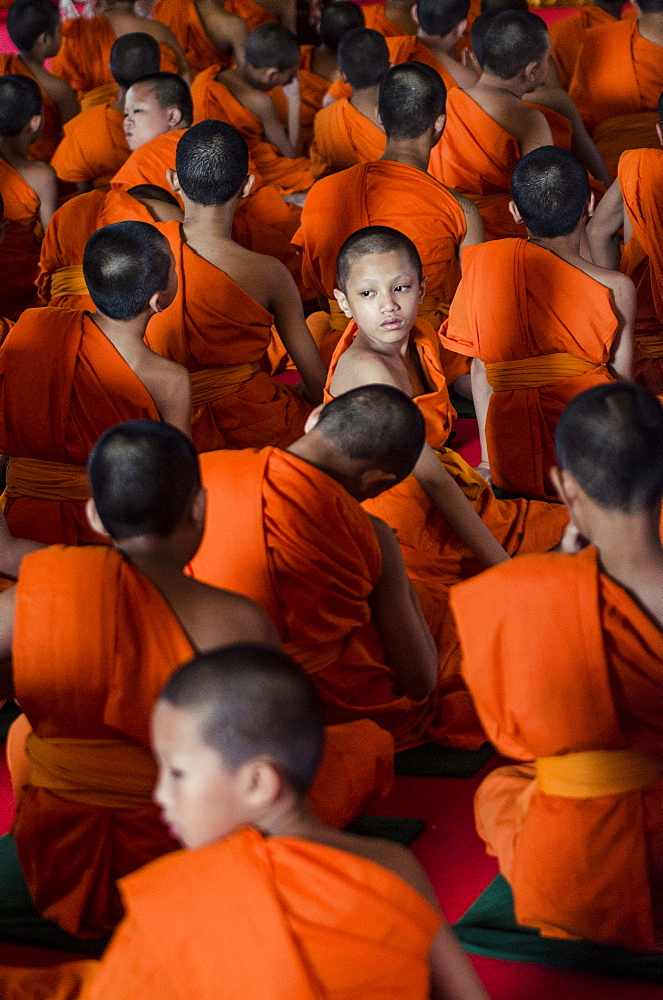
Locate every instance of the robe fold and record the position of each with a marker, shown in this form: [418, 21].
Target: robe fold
[546, 329]
[93, 148]
[211, 99]
[221, 334]
[19, 250]
[342, 137]
[252, 13]
[568, 35]
[62, 384]
[332, 924]
[375, 18]
[183, 19]
[407, 48]
[51, 133]
[562, 664]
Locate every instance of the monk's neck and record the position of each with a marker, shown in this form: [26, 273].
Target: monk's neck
[158, 560]
[208, 223]
[31, 62]
[440, 48]
[411, 152]
[488, 83]
[318, 452]
[395, 349]
[566, 247]
[366, 103]
[14, 149]
[638, 565]
[650, 26]
[125, 335]
[121, 98]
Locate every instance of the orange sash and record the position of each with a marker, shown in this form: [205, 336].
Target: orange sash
[32, 477]
[211, 384]
[68, 281]
[592, 774]
[534, 373]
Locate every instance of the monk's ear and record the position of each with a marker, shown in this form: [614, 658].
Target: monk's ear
[517, 217]
[174, 117]
[93, 518]
[259, 783]
[199, 507]
[249, 185]
[343, 78]
[413, 13]
[173, 181]
[312, 419]
[35, 124]
[343, 302]
[566, 486]
[422, 288]
[590, 206]
[659, 133]
[440, 122]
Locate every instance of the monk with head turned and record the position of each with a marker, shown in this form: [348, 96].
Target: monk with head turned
[542, 322]
[371, 927]
[442, 24]
[581, 705]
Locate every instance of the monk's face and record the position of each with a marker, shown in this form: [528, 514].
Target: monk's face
[145, 119]
[383, 295]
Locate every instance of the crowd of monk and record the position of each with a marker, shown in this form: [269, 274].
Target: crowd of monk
[244, 283]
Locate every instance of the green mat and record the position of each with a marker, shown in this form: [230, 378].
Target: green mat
[20, 923]
[433, 761]
[401, 829]
[489, 928]
[8, 713]
[463, 407]
[504, 495]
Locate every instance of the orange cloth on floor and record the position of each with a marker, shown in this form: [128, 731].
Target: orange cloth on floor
[253, 14]
[516, 301]
[314, 89]
[51, 134]
[93, 148]
[293, 539]
[62, 384]
[19, 250]
[407, 48]
[578, 671]
[331, 924]
[183, 19]
[214, 323]
[343, 137]
[212, 99]
[375, 18]
[641, 182]
[568, 36]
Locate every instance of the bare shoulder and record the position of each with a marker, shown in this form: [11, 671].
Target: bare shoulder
[357, 367]
[38, 175]
[395, 858]
[161, 32]
[620, 284]
[235, 618]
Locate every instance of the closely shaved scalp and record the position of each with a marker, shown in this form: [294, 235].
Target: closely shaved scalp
[171, 91]
[20, 100]
[439, 17]
[252, 701]
[372, 240]
[610, 438]
[212, 162]
[364, 57]
[337, 19]
[272, 46]
[513, 39]
[412, 97]
[28, 19]
[124, 265]
[551, 190]
[133, 56]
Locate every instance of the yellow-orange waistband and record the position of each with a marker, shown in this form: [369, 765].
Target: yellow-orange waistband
[649, 344]
[594, 773]
[32, 477]
[211, 384]
[68, 281]
[535, 373]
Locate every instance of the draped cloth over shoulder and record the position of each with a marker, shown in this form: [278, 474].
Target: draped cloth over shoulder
[19, 250]
[549, 309]
[568, 35]
[344, 136]
[183, 19]
[331, 924]
[406, 48]
[583, 675]
[93, 148]
[51, 133]
[375, 18]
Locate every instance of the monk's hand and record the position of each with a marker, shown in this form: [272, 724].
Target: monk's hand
[483, 468]
[572, 541]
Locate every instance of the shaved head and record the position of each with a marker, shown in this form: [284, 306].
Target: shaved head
[337, 19]
[513, 39]
[170, 91]
[372, 240]
[133, 56]
[212, 162]
[272, 46]
[412, 98]
[124, 265]
[439, 17]
[551, 190]
[28, 19]
[363, 57]
[20, 102]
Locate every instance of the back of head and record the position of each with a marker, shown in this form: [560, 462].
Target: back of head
[252, 701]
[372, 240]
[124, 265]
[412, 97]
[439, 17]
[133, 56]
[513, 40]
[212, 162]
[152, 192]
[500, 5]
[143, 475]
[610, 438]
[377, 424]
[363, 57]
[170, 91]
[20, 101]
[272, 46]
[551, 189]
[337, 19]
[28, 19]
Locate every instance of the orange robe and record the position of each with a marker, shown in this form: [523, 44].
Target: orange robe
[212, 99]
[93, 148]
[331, 924]
[293, 539]
[375, 18]
[568, 36]
[253, 14]
[51, 134]
[183, 19]
[580, 671]
[516, 303]
[84, 58]
[343, 136]
[62, 384]
[407, 48]
[221, 335]
[314, 89]
[108, 93]
[19, 250]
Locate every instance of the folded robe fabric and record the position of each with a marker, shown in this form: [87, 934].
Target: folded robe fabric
[375, 18]
[93, 148]
[252, 13]
[19, 250]
[342, 137]
[547, 691]
[51, 133]
[518, 301]
[183, 19]
[332, 925]
[568, 36]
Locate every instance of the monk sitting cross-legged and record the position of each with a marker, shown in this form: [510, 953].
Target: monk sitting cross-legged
[66, 376]
[238, 736]
[220, 324]
[206, 30]
[573, 690]
[34, 28]
[441, 26]
[541, 321]
[94, 146]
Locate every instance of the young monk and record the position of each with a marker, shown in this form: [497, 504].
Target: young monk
[396, 191]
[35, 29]
[219, 326]
[575, 827]
[236, 800]
[207, 32]
[568, 34]
[84, 57]
[94, 146]
[541, 321]
[240, 96]
[441, 26]
[348, 131]
[29, 192]
[66, 376]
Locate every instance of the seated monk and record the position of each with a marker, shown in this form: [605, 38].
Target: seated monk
[339, 913]
[34, 28]
[441, 26]
[239, 96]
[392, 19]
[287, 529]
[541, 322]
[84, 59]
[28, 189]
[66, 376]
[207, 32]
[348, 131]
[394, 191]
[568, 34]
[449, 523]
[574, 692]
[94, 146]
[220, 324]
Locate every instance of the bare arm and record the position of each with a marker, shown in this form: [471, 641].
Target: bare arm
[13, 550]
[164, 36]
[227, 32]
[453, 977]
[173, 398]
[604, 226]
[481, 393]
[621, 354]
[7, 606]
[583, 146]
[285, 12]
[286, 306]
[64, 96]
[44, 181]
[476, 232]
[293, 93]
[530, 130]
[263, 106]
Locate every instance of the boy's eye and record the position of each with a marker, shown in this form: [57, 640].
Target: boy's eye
[401, 288]
[366, 293]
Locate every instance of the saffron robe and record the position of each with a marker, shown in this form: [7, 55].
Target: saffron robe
[560, 660]
[62, 384]
[375, 18]
[183, 19]
[93, 148]
[519, 301]
[214, 326]
[568, 36]
[331, 924]
[342, 137]
[252, 13]
[51, 133]
[19, 250]
[407, 48]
